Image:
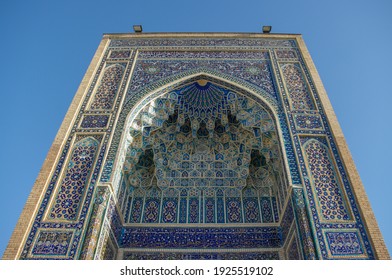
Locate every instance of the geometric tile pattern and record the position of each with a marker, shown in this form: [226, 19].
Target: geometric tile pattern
[107, 89]
[52, 243]
[74, 183]
[293, 253]
[201, 42]
[95, 121]
[326, 182]
[201, 256]
[344, 243]
[256, 72]
[308, 122]
[191, 237]
[119, 54]
[298, 90]
[285, 54]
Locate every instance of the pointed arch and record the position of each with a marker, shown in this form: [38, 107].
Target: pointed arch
[138, 101]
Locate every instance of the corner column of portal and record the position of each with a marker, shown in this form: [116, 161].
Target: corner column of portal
[376, 238]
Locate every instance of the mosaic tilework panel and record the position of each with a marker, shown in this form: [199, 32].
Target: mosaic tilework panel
[52, 243]
[251, 210]
[194, 210]
[191, 209]
[202, 42]
[257, 73]
[306, 238]
[119, 54]
[54, 225]
[160, 237]
[266, 210]
[136, 212]
[290, 153]
[201, 256]
[116, 222]
[317, 217]
[194, 74]
[95, 121]
[204, 55]
[298, 90]
[345, 244]
[151, 210]
[275, 209]
[286, 54]
[169, 210]
[106, 92]
[326, 183]
[308, 122]
[209, 210]
[233, 210]
[220, 212]
[72, 188]
[293, 253]
[287, 221]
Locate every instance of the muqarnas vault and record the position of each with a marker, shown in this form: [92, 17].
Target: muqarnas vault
[199, 146]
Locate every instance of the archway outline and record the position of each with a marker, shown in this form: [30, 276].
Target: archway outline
[135, 104]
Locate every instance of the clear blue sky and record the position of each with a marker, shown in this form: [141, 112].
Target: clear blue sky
[46, 47]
